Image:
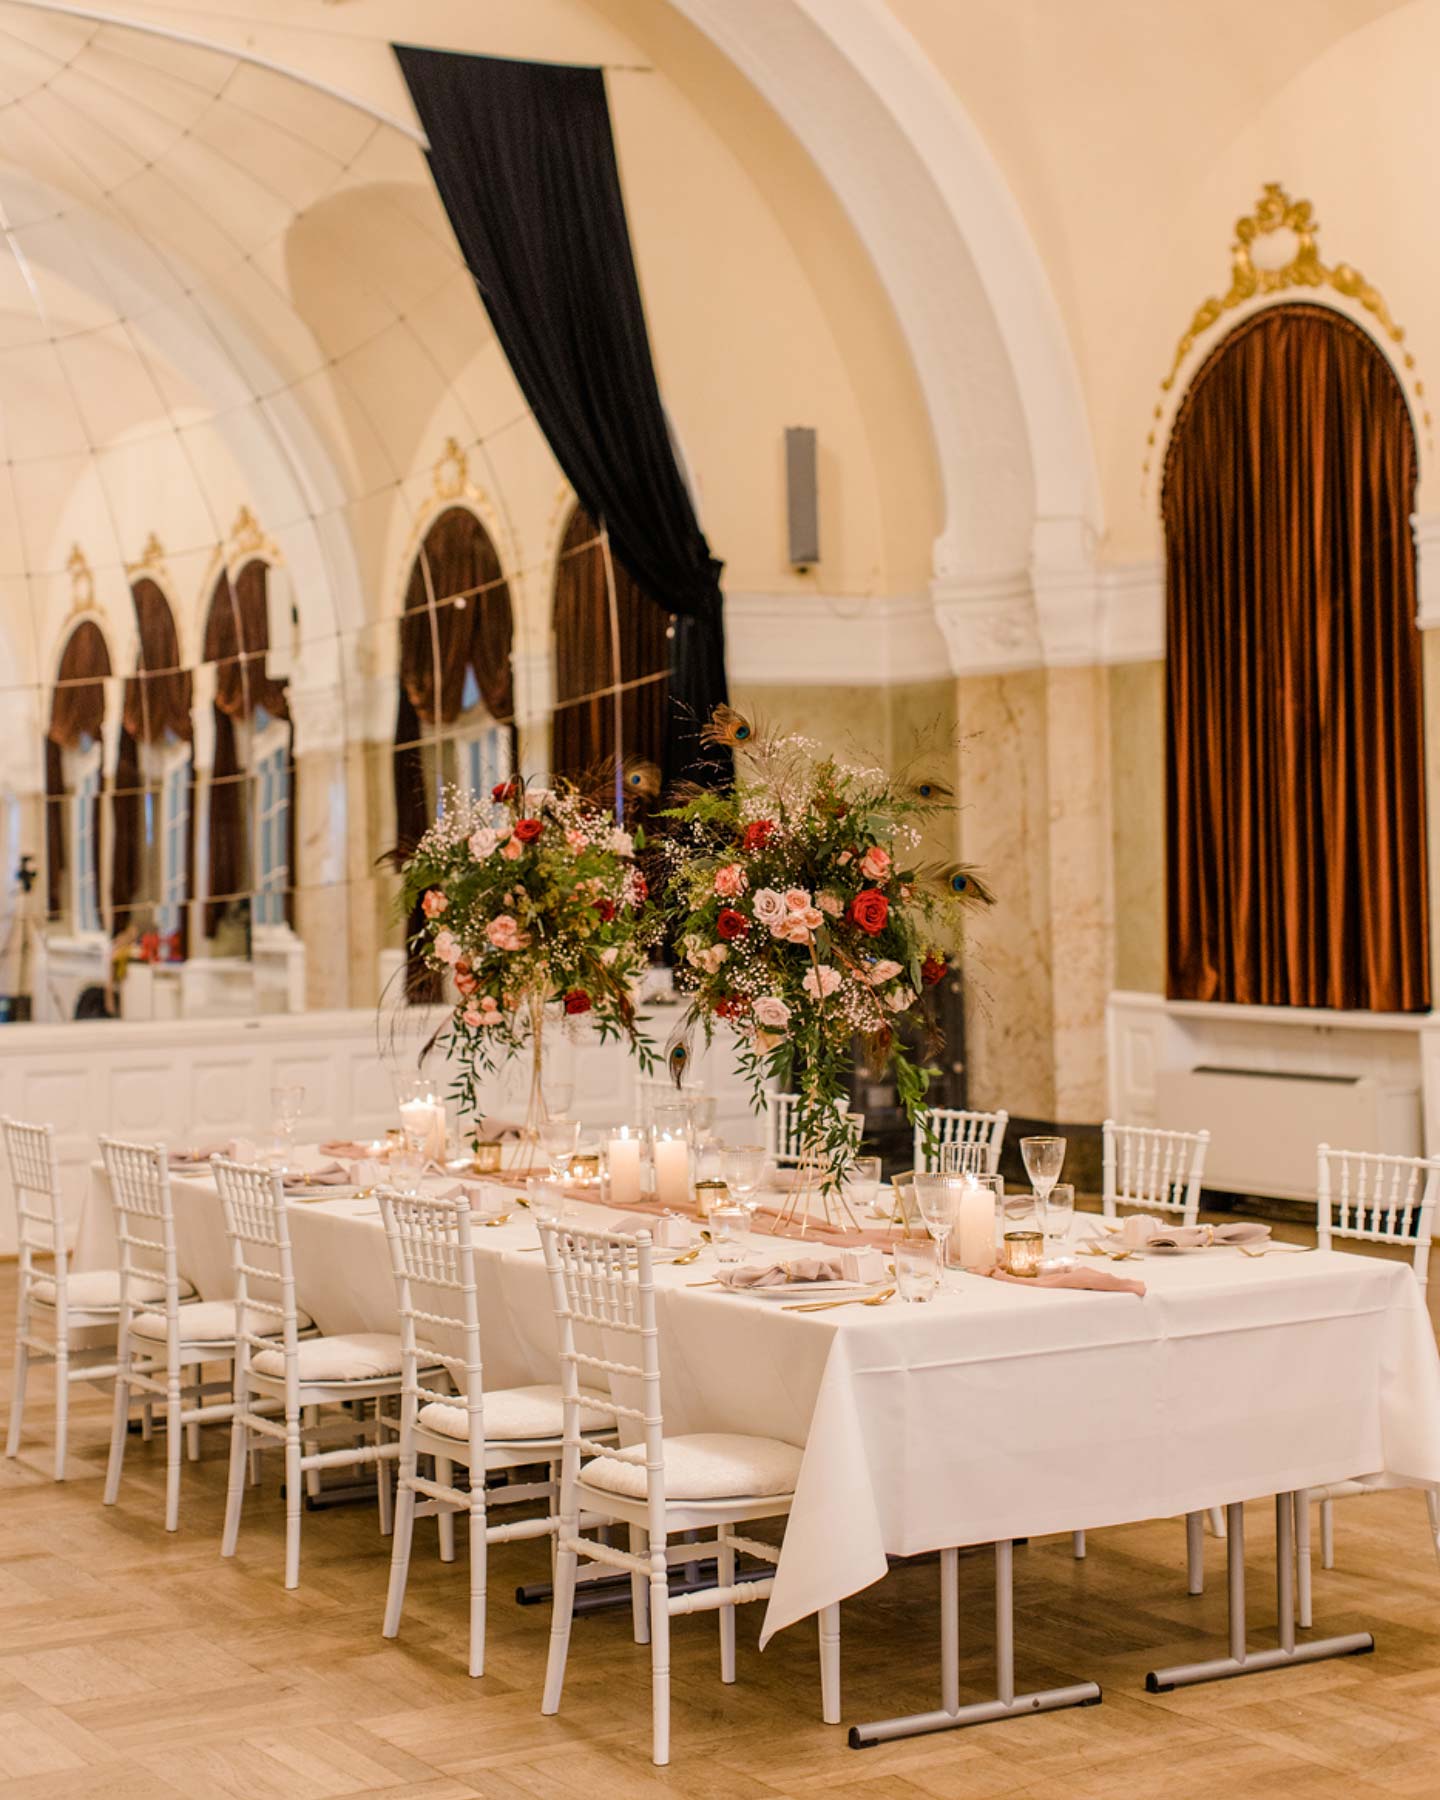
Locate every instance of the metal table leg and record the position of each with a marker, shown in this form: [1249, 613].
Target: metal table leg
[1007, 1704]
[1241, 1661]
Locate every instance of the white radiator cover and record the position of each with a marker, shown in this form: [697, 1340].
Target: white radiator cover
[1265, 1124]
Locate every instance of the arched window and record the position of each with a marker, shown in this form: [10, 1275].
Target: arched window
[73, 779]
[1296, 785]
[595, 702]
[152, 802]
[250, 815]
[455, 721]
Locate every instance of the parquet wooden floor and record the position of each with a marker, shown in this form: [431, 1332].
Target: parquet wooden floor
[136, 1666]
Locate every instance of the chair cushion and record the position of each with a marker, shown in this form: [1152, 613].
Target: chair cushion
[210, 1322]
[363, 1356]
[522, 1412]
[708, 1465]
[98, 1290]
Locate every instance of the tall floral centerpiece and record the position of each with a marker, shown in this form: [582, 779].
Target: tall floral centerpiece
[805, 917]
[533, 904]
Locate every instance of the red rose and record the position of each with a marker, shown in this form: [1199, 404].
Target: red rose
[731, 924]
[577, 1001]
[503, 790]
[869, 910]
[933, 969]
[527, 830]
[731, 1008]
[606, 910]
[757, 835]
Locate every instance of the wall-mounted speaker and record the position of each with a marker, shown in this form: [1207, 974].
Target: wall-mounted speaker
[802, 496]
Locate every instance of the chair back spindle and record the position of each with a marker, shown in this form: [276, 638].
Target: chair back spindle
[1374, 1198]
[1156, 1170]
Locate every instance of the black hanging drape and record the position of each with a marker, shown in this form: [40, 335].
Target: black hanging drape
[524, 161]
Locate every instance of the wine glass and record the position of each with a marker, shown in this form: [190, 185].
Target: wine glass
[862, 1186]
[286, 1104]
[407, 1170]
[559, 1139]
[938, 1197]
[1044, 1159]
[744, 1167]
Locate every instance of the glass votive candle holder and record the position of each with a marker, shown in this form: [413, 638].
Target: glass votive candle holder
[485, 1156]
[1024, 1252]
[585, 1167]
[709, 1195]
[729, 1231]
[917, 1268]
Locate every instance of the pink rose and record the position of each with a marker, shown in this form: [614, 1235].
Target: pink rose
[772, 1012]
[505, 934]
[513, 849]
[797, 899]
[447, 946]
[880, 972]
[821, 981]
[434, 903]
[875, 864]
[792, 929]
[900, 999]
[482, 842]
[730, 881]
[832, 904]
[577, 840]
[471, 1017]
[768, 907]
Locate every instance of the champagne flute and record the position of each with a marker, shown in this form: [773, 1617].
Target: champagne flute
[1044, 1159]
[938, 1197]
[559, 1139]
[286, 1103]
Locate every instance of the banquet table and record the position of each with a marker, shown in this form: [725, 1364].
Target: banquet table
[995, 1412]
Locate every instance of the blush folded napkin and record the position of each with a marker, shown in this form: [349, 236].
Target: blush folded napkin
[195, 1154]
[346, 1147]
[1098, 1281]
[1141, 1231]
[331, 1174]
[844, 1265]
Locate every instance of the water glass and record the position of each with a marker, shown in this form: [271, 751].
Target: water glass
[547, 1203]
[559, 1139]
[1060, 1212]
[917, 1268]
[938, 1197]
[729, 1232]
[407, 1167]
[863, 1184]
[743, 1166]
[286, 1104]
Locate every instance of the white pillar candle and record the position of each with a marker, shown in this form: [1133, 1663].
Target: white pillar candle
[672, 1171]
[976, 1230]
[424, 1124]
[622, 1156]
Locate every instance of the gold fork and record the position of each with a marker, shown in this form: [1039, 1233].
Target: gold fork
[688, 1256]
[499, 1219]
[855, 1300]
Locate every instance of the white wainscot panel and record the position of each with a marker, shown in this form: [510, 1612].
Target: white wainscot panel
[1270, 1083]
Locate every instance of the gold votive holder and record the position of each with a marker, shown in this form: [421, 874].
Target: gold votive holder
[394, 1139]
[585, 1166]
[1024, 1252]
[485, 1159]
[710, 1194]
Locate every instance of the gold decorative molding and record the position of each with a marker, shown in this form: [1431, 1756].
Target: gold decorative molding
[82, 583]
[452, 472]
[152, 559]
[1275, 211]
[247, 539]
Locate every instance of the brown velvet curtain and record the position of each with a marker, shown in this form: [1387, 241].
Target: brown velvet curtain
[583, 727]
[1296, 784]
[77, 712]
[237, 641]
[157, 703]
[457, 617]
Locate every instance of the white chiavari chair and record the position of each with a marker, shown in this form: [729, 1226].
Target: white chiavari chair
[941, 1125]
[487, 1433]
[783, 1146]
[1154, 1170]
[165, 1337]
[303, 1374]
[1369, 1198]
[603, 1291]
[66, 1302]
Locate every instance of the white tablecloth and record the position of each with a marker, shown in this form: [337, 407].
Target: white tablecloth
[996, 1411]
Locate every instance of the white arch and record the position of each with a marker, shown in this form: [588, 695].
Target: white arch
[934, 211]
